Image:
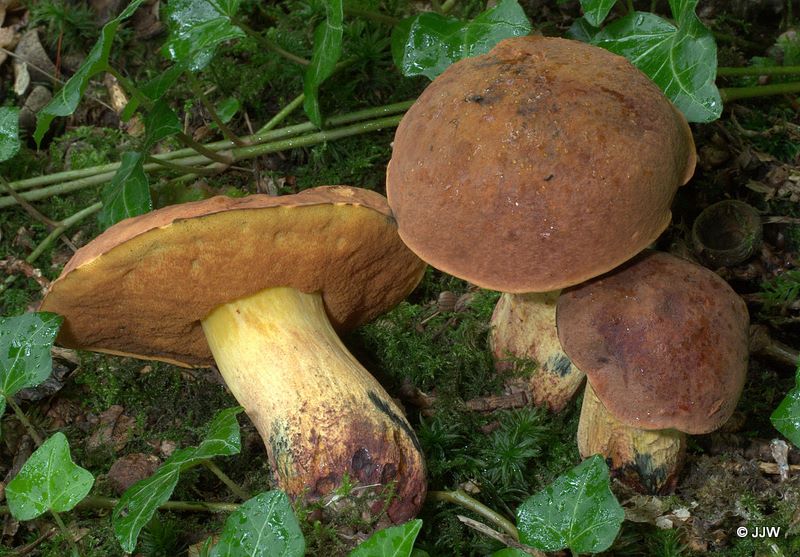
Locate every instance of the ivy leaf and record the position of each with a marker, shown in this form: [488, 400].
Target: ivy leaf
[128, 193]
[786, 417]
[426, 44]
[595, 11]
[397, 541]
[66, 100]
[138, 504]
[510, 552]
[681, 60]
[9, 132]
[264, 526]
[49, 480]
[197, 27]
[582, 30]
[327, 51]
[154, 89]
[227, 109]
[25, 343]
[160, 123]
[577, 511]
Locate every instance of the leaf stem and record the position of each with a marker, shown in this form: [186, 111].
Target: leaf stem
[66, 532]
[374, 16]
[202, 149]
[737, 93]
[447, 6]
[224, 478]
[134, 91]
[24, 421]
[203, 171]
[99, 502]
[226, 131]
[460, 497]
[269, 44]
[753, 70]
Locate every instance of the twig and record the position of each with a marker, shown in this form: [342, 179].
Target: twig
[30, 209]
[202, 149]
[99, 502]
[499, 536]
[200, 170]
[460, 497]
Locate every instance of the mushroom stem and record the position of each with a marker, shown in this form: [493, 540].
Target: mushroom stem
[646, 460]
[320, 413]
[524, 326]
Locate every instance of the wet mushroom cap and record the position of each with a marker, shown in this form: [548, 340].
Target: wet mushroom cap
[537, 166]
[142, 287]
[663, 342]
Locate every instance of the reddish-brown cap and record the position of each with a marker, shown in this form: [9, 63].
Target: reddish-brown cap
[142, 287]
[537, 166]
[662, 341]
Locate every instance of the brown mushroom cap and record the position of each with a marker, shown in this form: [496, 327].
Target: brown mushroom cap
[142, 287]
[662, 341]
[537, 166]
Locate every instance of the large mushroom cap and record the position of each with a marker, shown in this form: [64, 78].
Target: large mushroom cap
[142, 287]
[537, 166]
[662, 341]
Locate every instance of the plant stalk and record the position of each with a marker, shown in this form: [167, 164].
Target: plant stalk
[24, 421]
[224, 478]
[103, 173]
[99, 502]
[729, 94]
[460, 497]
[269, 44]
[752, 70]
[223, 127]
[67, 533]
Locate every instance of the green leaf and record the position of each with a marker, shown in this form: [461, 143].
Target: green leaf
[595, 11]
[397, 541]
[66, 100]
[49, 480]
[264, 526]
[582, 30]
[327, 51]
[428, 43]
[128, 193]
[227, 109]
[25, 343]
[138, 504]
[786, 417]
[159, 123]
[197, 27]
[681, 60]
[577, 511]
[9, 132]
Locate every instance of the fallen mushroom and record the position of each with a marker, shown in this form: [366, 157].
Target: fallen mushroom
[537, 166]
[260, 285]
[664, 345]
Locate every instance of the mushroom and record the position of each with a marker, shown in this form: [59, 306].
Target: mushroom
[664, 345]
[260, 286]
[537, 166]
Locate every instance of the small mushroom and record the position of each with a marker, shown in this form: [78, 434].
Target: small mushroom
[261, 285]
[664, 345]
[537, 166]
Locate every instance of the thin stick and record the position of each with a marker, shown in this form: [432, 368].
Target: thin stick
[24, 421]
[460, 497]
[30, 209]
[281, 116]
[736, 93]
[99, 502]
[499, 536]
[224, 478]
[752, 70]
[201, 170]
[103, 173]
